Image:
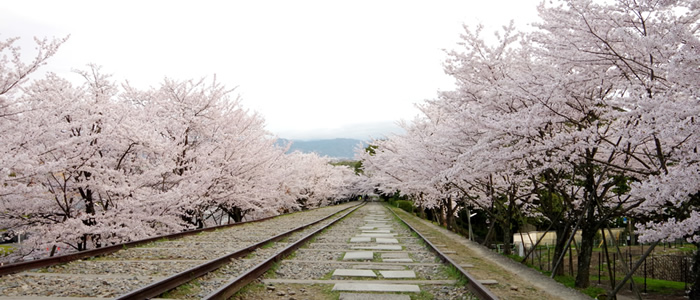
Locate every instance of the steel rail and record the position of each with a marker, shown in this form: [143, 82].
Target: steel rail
[233, 286]
[156, 288]
[54, 260]
[472, 283]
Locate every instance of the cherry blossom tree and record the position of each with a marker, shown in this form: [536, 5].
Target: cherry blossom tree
[95, 164]
[313, 182]
[216, 154]
[76, 165]
[626, 94]
[589, 118]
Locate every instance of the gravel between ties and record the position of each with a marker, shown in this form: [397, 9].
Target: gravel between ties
[318, 259]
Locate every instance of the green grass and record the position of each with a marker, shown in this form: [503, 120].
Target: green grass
[686, 248]
[659, 286]
[327, 276]
[423, 295]
[183, 290]
[566, 280]
[455, 274]
[6, 250]
[327, 289]
[569, 281]
[292, 255]
[249, 288]
[272, 272]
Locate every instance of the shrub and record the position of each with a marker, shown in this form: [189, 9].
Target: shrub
[405, 205]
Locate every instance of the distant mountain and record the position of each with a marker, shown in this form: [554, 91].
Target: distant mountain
[334, 148]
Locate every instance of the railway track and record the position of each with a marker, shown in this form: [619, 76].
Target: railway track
[368, 255]
[145, 269]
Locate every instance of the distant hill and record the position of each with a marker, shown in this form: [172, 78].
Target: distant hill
[334, 148]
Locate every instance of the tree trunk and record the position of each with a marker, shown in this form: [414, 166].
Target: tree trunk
[507, 236]
[563, 233]
[236, 214]
[588, 231]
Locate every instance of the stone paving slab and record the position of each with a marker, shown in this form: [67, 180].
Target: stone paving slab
[386, 241]
[354, 273]
[376, 287]
[398, 274]
[377, 231]
[378, 247]
[383, 226]
[381, 235]
[360, 239]
[395, 255]
[365, 296]
[374, 265]
[358, 255]
[361, 281]
[379, 267]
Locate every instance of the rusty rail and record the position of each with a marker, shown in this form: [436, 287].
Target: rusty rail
[472, 283]
[164, 285]
[233, 286]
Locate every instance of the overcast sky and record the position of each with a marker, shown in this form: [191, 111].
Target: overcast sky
[313, 69]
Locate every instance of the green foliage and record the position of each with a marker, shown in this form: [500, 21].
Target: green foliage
[393, 198]
[355, 165]
[405, 205]
[621, 183]
[371, 149]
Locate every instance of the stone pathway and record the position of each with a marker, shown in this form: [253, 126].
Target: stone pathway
[376, 234]
[369, 254]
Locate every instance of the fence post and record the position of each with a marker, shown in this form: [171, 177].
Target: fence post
[685, 272]
[645, 270]
[571, 261]
[600, 265]
[629, 250]
[549, 261]
[614, 261]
